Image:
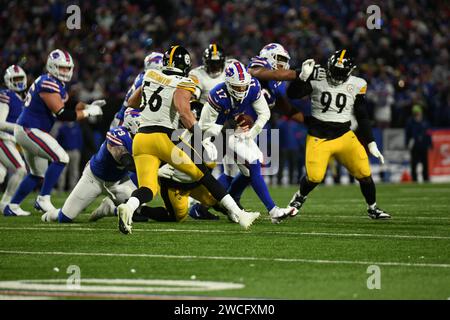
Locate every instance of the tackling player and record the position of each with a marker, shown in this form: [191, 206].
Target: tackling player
[103, 173]
[334, 100]
[44, 103]
[165, 99]
[11, 104]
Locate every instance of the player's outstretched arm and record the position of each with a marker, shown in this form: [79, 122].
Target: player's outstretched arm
[121, 155]
[181, 100]
[134, 101]
[265, 74]
[208, 119]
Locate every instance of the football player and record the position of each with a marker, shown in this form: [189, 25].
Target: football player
[44, 103]
[165, 99]
[151, 61]
[11, 104]
[334, 100]
[241, 94]
[104, 172]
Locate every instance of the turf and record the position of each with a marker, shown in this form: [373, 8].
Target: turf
[322, 254]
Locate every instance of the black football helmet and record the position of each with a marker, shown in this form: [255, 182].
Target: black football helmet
[177, 60]
[340, 66]
[214, 60]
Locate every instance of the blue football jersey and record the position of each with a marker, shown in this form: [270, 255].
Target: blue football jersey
[14, 102]
[36, 114]
[103, 164]
[272, 90]
[228, 108]
[136, 85]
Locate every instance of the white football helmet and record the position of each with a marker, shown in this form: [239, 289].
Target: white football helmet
[237, 80]
[153, 61]
[15, 78]
[277, 56]
[132, 120]
[58, 59]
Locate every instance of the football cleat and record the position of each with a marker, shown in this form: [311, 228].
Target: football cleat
[200, 212]
[296, 202]
[278, 214]
[106, 209]
[125, 215]
[13, 210]
[43, 204]
[377, 213]
[246, 219]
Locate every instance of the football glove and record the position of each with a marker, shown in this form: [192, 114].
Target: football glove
[210, 149]
[166, 171]
[373, 149]
[94, 109]
[318, 73]
[307, 69]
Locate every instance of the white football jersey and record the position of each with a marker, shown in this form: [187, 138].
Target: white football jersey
[204, 82]
[157, 98]
[335, 103]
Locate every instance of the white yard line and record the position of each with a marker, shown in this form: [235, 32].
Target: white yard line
[319, 234]
[183, 257]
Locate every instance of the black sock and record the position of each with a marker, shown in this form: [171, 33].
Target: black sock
[213, 186]
[368, 189]
[306, 186]
[158, 214]
[143, 194]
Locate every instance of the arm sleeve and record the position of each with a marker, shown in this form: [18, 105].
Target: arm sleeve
[364, 129]
[262, 110]
[66, 114]
[299, 89]
[208, 120]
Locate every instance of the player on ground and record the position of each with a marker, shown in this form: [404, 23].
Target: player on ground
[165, 99]
[11, 104]
[241, 94]
[151, 61]
[44, 104]
[334, 100]
[104, 172]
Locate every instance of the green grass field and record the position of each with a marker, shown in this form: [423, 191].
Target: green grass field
[322, 254]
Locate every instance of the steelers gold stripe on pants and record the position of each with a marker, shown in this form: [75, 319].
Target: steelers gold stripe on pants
[149, 149]
[346, 149]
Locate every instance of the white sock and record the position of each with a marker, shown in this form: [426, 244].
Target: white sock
[44, 198]
[134, 203]
[228, 203]
[372, 206]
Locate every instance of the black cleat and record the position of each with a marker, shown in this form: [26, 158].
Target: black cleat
[296, 202]
[377, 213]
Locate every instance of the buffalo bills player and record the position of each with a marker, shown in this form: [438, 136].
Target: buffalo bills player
[11, 104]
[152, 61]
[44, 103]
[104, 172]
[241, 94]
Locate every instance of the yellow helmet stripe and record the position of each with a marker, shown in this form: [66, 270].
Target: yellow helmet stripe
[171, 54]
[214, 47]
[342, 55]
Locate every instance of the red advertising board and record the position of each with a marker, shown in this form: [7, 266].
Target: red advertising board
[439, 156]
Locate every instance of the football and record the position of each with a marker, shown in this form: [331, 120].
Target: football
[244, 120]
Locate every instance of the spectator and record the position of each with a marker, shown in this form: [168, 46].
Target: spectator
[418, 142]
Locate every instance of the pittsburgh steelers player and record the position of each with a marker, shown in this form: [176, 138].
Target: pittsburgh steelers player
[334, 100]
[164, 99]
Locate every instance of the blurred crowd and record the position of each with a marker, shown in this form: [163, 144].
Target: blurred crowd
[405, 62]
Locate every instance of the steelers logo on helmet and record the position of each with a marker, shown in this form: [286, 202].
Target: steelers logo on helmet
[177, 60]
[339, 67]
[214, 60]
